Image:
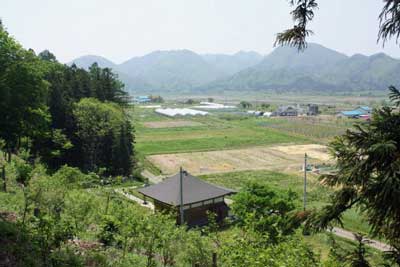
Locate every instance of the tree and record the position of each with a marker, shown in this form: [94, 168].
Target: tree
[358, 257]
[266, 211]
[245, 104]
[250, 248]
[303, 14]
[367, 175]
[23, 92]
[105, 135]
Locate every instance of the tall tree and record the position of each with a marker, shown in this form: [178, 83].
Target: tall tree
[23, 92]
[368, 176]
[106, 138]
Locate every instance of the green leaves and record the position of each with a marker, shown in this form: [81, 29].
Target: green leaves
[266, 210]
[105, 135]
[368, 176]
[389, 21]
[302, 15]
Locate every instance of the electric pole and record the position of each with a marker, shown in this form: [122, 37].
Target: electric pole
[181, 195]
[305, 182]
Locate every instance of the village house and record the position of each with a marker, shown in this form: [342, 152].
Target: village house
[286, 111]
[195, 196]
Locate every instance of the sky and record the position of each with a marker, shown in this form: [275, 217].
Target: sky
[121, 29]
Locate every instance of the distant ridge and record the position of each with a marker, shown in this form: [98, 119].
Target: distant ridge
[317, 69]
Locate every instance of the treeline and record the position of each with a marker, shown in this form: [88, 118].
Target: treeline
[63, 114]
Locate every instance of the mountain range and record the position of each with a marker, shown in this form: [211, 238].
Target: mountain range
[285, 69]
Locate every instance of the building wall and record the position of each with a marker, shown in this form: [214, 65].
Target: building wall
[195, 216]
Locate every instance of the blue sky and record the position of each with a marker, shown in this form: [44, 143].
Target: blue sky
[120, 29]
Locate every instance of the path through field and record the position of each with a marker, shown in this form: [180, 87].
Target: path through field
[372, 243]
[287, 158]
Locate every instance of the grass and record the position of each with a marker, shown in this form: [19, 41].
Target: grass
[321, 244]
[317, 129]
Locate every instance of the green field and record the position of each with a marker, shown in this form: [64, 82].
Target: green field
[217, 132]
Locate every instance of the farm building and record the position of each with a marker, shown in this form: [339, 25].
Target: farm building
[360, 112]
[172, 112]
[312, 110]
[211, 105]
[198, 197]
[142, 99]
[286, 111]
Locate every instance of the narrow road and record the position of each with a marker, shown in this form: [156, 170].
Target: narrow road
[136, 199]
[372, 243]
[152, 178]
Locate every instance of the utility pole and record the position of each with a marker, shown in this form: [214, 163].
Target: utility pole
[305, 182]
[181, 194]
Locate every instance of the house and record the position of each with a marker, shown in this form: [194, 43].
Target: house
[142, 99]
[286, 111]
[312, 110]
[198, 198]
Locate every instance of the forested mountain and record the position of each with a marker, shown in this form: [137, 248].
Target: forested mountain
[171, 70]
[316, 69]
[231, 64]
[176, 70]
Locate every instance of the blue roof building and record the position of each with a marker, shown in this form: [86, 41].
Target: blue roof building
[142, 99]
[356, 113]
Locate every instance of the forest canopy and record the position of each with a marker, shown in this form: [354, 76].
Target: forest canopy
[45, 105]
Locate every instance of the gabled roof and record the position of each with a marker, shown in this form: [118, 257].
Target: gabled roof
[194, 190]
[353, 113]
[366, 108]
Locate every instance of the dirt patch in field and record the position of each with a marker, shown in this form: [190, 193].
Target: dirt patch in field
[278, 158]
[313, 151]
[171, 124]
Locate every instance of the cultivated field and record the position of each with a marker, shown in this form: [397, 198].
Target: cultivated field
[284, 158]
[171, 124]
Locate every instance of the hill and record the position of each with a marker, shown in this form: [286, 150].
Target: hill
[171, 70]
[231, 64]
[316, 69]
[86, 61]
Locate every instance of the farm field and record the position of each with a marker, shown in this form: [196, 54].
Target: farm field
[171, 124]
[218, 131]
[284, 158]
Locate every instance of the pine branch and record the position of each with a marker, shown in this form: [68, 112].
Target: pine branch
[302, 15]
[389, 21]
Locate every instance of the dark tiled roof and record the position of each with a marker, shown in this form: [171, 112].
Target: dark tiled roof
[194, 190]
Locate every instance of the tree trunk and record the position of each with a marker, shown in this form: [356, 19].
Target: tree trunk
[3, 175]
